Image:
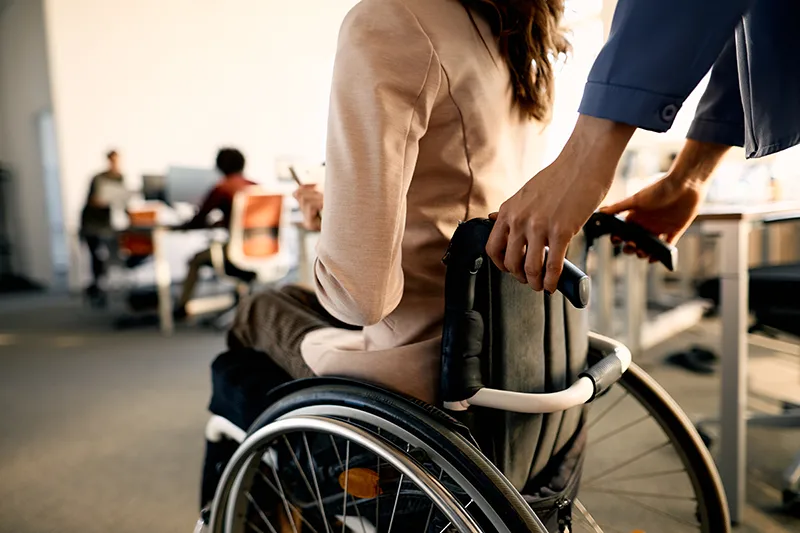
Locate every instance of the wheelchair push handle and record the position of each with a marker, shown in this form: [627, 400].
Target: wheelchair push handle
[574, 284]
[470, 239]
[601, 224]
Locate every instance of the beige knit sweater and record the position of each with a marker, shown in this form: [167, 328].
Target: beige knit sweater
[422, 134]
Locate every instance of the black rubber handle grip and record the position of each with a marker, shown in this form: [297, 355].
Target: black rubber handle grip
[603, 374]
[574, 284]
[601, 224]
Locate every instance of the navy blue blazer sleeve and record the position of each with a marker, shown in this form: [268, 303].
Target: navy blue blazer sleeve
[657, 52]
[720, 114]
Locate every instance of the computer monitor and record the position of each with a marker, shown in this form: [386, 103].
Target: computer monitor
[189, 185]
[154, 187]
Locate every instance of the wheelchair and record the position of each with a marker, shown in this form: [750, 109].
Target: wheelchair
[532, 433]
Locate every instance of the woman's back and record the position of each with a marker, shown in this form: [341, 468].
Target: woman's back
[423, 133]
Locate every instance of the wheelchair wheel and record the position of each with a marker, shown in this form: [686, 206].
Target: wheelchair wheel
[379, 439]
[664, 477]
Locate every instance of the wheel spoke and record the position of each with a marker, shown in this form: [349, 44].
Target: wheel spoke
[281, 493]
[254, 527]
[345, 469]
[657, 511]
[316, 484]
[619, 430]
[296, 462]
[286, 502]
[259, 511]
[346, 484]
[642, 476]
[587, 516]
[450, 523]
[641, 494]
[628, 462]
[608, 409]
[396, 499]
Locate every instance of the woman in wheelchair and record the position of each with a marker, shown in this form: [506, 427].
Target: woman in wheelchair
[433, 120]
[435, 111]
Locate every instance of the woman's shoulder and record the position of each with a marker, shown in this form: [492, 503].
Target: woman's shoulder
[405, 16]
[420, 10]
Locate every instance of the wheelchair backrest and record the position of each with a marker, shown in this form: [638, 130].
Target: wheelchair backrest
[501, 334]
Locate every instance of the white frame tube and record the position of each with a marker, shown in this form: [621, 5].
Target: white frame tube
[578, 394]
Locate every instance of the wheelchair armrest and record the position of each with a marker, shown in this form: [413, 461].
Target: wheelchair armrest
[615, 358]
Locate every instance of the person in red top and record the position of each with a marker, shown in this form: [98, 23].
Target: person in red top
[230, 162]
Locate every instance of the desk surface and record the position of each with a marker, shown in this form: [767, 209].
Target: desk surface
[749, 212]
[169, 228]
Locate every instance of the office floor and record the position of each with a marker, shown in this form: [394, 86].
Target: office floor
[103, 431]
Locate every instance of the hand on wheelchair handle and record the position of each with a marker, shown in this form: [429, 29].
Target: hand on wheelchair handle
[573, 283]
[645, 243]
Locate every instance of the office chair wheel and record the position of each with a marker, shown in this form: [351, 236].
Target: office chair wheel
[664, 479]
[409, 468]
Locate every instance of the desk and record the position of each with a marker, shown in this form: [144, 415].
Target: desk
[732, 224]
[163, 272]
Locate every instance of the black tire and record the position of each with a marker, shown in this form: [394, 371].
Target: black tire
[427, 424]
[687, 442]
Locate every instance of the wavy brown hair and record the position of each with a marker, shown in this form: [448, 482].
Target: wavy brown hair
[530, 38]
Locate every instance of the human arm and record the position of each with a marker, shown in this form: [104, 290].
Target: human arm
[667, 207]
[311, 202]
[382, 96]
[93, 196]
[212, 201]
[656, 54]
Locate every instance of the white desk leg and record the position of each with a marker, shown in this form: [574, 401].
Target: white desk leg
[635, 301]
[603, 287]
[303, 271]
[734, 305]
[163, 282]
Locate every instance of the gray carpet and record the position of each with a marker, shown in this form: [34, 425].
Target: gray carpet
[102, 431]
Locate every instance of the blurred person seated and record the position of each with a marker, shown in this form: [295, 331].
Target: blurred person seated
[230, 162]
[106, 188]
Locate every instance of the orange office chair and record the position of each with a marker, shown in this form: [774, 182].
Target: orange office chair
[255, 242]
[255, 251]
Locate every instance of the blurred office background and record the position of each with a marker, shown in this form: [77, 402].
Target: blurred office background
[101, 428]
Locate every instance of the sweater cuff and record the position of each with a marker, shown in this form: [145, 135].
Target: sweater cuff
[710, 131]
[636, 107]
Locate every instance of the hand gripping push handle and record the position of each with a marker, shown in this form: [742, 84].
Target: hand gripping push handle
[462, 349]
[470, 241]
[601, 224]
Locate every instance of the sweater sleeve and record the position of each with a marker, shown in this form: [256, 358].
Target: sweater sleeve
[386, 78]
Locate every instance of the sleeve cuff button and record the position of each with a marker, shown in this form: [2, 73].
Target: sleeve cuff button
[668, 112]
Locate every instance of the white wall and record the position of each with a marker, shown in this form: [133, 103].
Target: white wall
[170, 81]
[24, 93]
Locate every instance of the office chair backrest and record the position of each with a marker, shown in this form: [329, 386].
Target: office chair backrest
[528, 342]
[255, 234]
[137, 243]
